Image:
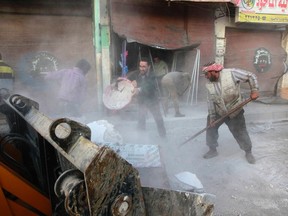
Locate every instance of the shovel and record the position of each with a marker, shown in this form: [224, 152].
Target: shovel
[218, 120]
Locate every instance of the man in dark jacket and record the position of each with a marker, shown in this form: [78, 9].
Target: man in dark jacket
[146, 92]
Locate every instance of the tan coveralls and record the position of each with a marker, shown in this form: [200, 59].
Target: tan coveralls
[174, 84]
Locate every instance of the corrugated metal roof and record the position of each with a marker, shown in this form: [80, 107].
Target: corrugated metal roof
[163, 26]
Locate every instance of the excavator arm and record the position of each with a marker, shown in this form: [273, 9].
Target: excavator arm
[70, 175]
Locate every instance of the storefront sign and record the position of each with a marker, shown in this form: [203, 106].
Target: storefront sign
[44, 62]
[262, 60]
[262, 11]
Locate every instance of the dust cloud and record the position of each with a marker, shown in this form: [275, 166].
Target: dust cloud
[236, 187]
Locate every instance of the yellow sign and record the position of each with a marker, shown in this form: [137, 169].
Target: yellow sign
[261, 18]
[262, 11]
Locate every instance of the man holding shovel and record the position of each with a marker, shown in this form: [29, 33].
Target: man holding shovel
[224, 95]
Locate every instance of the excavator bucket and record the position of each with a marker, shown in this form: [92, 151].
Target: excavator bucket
[64, 173]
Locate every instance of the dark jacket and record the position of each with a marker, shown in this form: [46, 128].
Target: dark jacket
[148, 89]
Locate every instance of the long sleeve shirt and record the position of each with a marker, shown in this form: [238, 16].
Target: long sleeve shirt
[72, 84]
[180, 80]
[147, 87]
[225, 93]
[160, 68]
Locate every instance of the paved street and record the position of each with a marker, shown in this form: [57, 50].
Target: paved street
[239, 188]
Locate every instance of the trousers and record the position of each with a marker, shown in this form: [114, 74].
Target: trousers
[154, 109]
[169, 89]
[237, 127]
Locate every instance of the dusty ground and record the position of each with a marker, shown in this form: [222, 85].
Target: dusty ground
[239, 187]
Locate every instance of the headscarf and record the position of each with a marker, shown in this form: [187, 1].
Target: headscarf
[212, 67]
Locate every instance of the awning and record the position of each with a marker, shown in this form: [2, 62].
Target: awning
[160, 25]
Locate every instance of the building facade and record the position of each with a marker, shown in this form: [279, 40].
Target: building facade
[48, 35]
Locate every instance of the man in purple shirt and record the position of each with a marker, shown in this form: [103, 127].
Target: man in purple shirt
[73, 87]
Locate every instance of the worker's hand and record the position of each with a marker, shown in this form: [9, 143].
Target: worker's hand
[134, 83]
[254, 95]
[211, 123]
[135, 91]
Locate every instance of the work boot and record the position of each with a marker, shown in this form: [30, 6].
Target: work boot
[250, 158]
[179, 115]
[211, 153]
